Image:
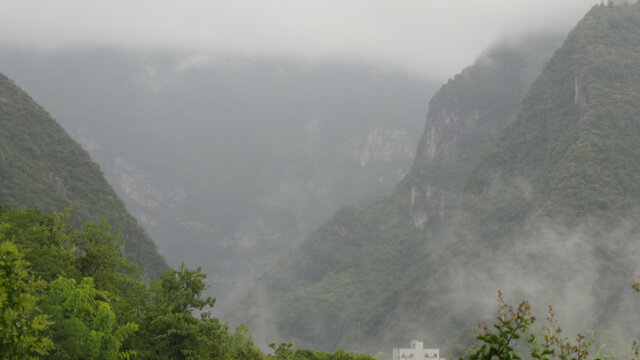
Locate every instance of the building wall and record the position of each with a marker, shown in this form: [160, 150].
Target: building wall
[416, 352]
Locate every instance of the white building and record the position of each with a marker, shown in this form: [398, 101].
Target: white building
[416, 352]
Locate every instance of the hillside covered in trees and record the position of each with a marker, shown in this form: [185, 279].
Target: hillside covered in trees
[68, 293]
[521, 185]
[228, 164]
[343, 283]
[42, 167]
[525, 179]
[70, 288]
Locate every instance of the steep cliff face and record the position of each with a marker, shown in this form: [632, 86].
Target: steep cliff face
[536, 196]
[574, 144]
[42, 167]
[464, 116]
[381, 145]
[549, 211]
[339, 287]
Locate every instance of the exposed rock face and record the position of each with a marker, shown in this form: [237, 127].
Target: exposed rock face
[549, 211]
[139, 188]
[229, 163]
[440, 145]
[367, 278]
[463, 117]
[341, 285]
[135, 184]
[441, 137]
[426, 202]
[381, 145]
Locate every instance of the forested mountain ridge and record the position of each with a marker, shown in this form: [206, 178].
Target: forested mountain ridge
[535, 196]
[67, 292]
[548, 210]
[520, 185]
[340, 286]
[464, 116]
[42, 167]
[557, 192]
[182, 138]
[575, 140]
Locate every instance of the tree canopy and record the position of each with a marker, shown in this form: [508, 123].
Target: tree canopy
[68, 292]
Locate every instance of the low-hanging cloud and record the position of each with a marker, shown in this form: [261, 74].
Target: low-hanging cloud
[427, 37]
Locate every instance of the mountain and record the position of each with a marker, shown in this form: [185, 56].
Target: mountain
[547, 211]
[42, 167]
[228, 162]
[343, 286]
[531, 190]
[557, 192]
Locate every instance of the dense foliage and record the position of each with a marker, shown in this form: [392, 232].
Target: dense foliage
[574, 141]
[69, 293]
[42, 167]
[21, 325]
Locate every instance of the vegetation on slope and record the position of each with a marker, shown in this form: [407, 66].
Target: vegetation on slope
[547, 210]
[558, 190]
[575, 141]
[339, 287]
[320, 136]
[68, 293]
[42, 167]
[464, 116]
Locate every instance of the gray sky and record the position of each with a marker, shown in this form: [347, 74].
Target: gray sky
[435, 38]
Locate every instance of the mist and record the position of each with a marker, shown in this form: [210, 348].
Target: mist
[228, 163]
[433, 39]
[232, 130]
[584, 272]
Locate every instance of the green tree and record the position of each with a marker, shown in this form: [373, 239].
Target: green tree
[85, 328]
[283, 351]
[171, 331]
[55, 248]
[512, 338]
[94, 295]
[21, 324]
[43, 239]
[174, 297]
[98, 255]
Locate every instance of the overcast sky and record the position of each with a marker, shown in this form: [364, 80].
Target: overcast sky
[428, 37]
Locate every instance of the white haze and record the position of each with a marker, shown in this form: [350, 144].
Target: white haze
[426, 37]
[584, 272]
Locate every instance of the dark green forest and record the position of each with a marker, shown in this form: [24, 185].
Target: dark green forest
[42, 167]
[67, 292]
